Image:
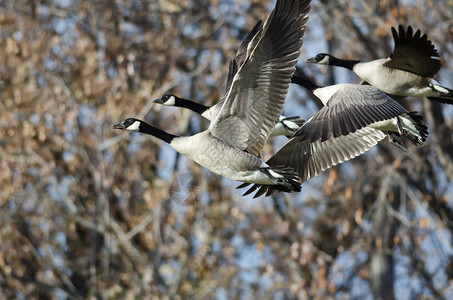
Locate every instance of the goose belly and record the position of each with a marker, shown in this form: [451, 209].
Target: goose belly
[221, 158]
[393, 81]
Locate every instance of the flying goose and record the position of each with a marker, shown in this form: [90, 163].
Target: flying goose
[387, 114]
[232, 144]
[408, 72]
[353, 119]
[285, 125]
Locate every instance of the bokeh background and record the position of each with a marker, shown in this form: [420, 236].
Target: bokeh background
[87, 212]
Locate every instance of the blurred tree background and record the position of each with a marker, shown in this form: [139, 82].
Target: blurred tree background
[91, 213]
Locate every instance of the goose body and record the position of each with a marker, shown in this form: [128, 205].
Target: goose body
[397, 82]
[407, 72]
[209, 152]
[251, 106]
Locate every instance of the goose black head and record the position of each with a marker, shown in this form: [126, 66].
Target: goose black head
[167, 99]
[130, 124]
[321, 59]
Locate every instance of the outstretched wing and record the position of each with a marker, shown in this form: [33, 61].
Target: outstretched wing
[339, 131]
[413, 53]
[352, 107]
[255, 100]
[239, 59]
[311, 158]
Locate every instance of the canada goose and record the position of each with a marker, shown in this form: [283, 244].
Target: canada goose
[408, 72]
[285, 125]
[368, 106]
[232, 144]
[354, 119]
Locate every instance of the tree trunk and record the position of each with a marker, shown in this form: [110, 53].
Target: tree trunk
[384, 228]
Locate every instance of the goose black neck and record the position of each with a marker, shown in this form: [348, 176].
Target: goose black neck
[148, 129]
[345, 63]
[193, 106]
[307, 84]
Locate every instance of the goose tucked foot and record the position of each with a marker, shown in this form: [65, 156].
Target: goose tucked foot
[395, 140]
[265, 188]
[285, 179]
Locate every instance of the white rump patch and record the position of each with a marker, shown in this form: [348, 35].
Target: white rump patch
[437, 87]
[386, 125]
[264, 165]
[290, 124]
[279, 129]
[325, 93]
[409, 126]
[274, 174]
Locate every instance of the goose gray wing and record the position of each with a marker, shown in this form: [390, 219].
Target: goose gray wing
[350, 108]
[339, 131]
[240, 57]
[413, 53]
[309, 158]
[241, 54]
[258, 91]
[234, 65]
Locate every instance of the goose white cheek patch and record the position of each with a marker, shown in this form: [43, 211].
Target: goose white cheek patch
[324, 61]
[170, 102]
[134, 127]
